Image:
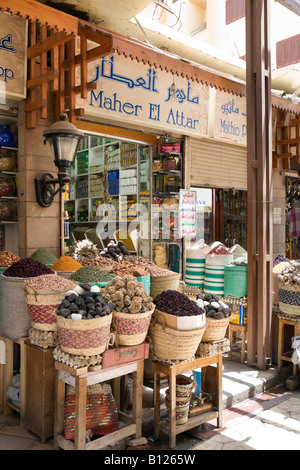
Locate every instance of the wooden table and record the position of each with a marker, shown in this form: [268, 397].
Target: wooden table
[6, 375]
[286, 356]
[39, 416]
[232, 331]
[211, 383]
[81, 379]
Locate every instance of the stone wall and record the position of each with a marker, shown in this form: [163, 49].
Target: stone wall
[38, 227]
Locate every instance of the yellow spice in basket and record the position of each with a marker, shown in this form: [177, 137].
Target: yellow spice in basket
[66, 263]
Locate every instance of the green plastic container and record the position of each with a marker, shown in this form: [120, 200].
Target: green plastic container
[235, 281]
[144, 279]
[99, 284]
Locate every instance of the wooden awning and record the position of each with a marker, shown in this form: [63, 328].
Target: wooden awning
[56, 31]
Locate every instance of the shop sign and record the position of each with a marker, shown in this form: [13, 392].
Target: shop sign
[13, 53]
[128, 90]
[230, 118]
[187, 213]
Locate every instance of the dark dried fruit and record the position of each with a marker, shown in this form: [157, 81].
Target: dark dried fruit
[175, 303]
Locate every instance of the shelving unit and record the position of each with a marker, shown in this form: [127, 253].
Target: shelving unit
[166, 183]
[233, 217]
[9, 198]
[108, 171]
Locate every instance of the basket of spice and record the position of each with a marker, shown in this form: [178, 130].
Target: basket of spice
[65, 266]
[133, 309]
[139, 272]
[171, 343]
[91, 275]
[280, 263]
[215, 261]
[217, 317]
[99, 262]
[45, 256]
[289, 289]
[162, 279]
[15, 321]
[43, 295]
[83, 321]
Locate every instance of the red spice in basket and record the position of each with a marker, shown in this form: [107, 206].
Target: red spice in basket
[219, 250]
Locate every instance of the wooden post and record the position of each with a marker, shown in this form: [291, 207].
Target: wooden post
[259, 176]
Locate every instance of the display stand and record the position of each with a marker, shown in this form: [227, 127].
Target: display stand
[286, 356]
[7, 372]
[233, 329]
[211, 383]
[81, 379]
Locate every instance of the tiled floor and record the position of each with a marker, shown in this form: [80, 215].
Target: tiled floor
[257, 415]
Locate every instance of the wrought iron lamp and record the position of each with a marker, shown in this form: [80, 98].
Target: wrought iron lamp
[64, 139]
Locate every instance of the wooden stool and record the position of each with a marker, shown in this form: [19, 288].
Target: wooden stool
[211, 383]
[7, 371]
[286, 356]
[233, 329]
[81, 379]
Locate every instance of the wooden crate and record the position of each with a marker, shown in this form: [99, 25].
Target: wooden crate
[39, 416]
[124, 354]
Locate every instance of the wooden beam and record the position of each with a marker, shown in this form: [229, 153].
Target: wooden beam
[33, 106]
[259, 178]
[43, 70]
[47, 44]
[37, 11]
[94, 35]
[46, 77]
[83, 63]
[31, 115]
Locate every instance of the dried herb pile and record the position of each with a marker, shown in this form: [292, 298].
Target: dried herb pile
[175, 303]
[27, 267]
[45, 256]
[90, 274]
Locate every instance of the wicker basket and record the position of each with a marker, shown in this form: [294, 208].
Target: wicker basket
[130, 329]
[184, 384]
[215, 329]
[83, 337]
[41, 307]
[179, 400]
[172, 344]
[160, 284]
[289, 298]
[181, 412]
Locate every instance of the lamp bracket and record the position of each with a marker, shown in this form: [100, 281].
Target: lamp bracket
[45, 187]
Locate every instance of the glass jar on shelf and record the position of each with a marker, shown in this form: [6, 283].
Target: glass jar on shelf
[172, 183]
[7, 187]
[8, 210]
[170, 163]
[7, 160]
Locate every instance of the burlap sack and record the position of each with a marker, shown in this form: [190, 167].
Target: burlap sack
[15, 321]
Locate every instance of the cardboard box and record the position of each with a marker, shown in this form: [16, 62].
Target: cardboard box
[124, 354]
[238, 313]
[180, 323]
